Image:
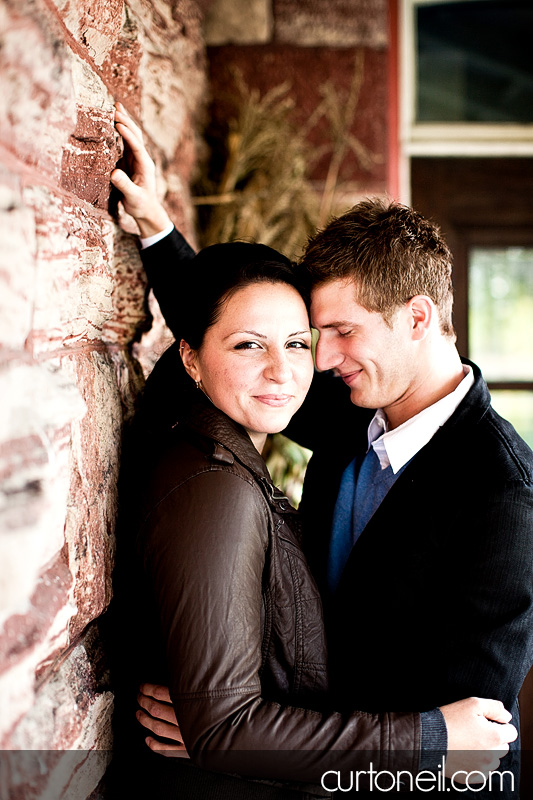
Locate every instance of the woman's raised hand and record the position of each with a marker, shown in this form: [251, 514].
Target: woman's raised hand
[137, 182]
[158, 715]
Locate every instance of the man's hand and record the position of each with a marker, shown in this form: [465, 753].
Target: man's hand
[137, 183]
[479, 732]
[158, 715]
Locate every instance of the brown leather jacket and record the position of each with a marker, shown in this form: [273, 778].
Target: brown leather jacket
[242, 618]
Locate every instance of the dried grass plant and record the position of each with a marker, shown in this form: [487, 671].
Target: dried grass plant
[263, 193]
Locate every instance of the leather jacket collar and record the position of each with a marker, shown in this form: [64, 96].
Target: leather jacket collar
[201, 416]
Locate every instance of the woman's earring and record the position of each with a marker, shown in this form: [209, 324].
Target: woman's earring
[197, 384]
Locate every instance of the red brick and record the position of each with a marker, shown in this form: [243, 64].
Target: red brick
[307, 70]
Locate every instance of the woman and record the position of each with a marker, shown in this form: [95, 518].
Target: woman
[240, 613]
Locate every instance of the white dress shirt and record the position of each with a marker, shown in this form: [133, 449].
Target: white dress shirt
[398, 446]
[148, 241]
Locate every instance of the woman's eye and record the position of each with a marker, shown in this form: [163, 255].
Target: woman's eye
[298, 345]
[247, 346]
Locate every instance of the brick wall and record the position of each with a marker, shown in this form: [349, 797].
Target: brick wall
[72, 296]
[313, 46]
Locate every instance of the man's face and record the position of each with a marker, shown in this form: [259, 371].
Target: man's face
[375, 359]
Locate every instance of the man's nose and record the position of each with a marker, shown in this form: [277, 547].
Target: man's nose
[326, 355]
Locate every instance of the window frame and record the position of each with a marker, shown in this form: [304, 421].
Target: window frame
[448, 138]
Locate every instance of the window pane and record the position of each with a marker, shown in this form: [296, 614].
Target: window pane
[517, 407]
[500, 318]
[474, 61]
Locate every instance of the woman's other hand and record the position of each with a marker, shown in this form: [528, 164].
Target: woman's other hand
[137, 182]
[158, 716]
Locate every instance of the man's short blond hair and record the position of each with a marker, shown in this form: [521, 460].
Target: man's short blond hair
[391, 253]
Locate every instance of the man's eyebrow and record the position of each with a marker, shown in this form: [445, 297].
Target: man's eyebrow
[339, 324]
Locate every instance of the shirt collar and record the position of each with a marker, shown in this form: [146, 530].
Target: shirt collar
[398, 446]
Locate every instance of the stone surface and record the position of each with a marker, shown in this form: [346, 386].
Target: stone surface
[62, 746]
[171, 70]
[90, 157]
[238, 22]
[37, 104]
[95, 24]
[60, 699]
[17, 234]
[74, 286]
[31, 643]
[38, 404]
[154, 343]
[120, 69]
[331, 23]
[128, 298]
[92, 501]
[73, 300]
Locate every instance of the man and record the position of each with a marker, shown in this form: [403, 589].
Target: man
[432, 521]
[421, 513]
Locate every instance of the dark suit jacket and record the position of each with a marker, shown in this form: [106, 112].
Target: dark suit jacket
[440, 584]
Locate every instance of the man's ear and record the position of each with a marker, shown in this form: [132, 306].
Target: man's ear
[422, 312]
[189, 358]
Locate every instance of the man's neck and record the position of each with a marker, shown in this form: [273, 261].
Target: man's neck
[437, 378]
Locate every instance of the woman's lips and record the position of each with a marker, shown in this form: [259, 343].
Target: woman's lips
[276, 400]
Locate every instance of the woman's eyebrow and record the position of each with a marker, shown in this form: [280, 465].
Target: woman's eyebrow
[248, 333]
[263, 335]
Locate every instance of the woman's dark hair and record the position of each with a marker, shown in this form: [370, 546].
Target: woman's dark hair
[220, 270]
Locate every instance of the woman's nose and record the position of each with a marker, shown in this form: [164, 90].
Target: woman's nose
[278, 368]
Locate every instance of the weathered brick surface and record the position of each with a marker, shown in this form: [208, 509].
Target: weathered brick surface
[90, 156]
[73, 303]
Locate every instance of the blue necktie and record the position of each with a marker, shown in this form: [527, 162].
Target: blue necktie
[361, 492]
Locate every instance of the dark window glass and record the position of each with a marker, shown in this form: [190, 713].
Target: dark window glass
[475, 61]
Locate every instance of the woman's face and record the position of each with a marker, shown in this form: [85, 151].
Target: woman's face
[255, 362]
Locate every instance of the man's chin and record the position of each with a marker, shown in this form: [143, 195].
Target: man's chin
[361, 400]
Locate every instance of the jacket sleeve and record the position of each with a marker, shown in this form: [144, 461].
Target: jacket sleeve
[205, 563]
[164, 263]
